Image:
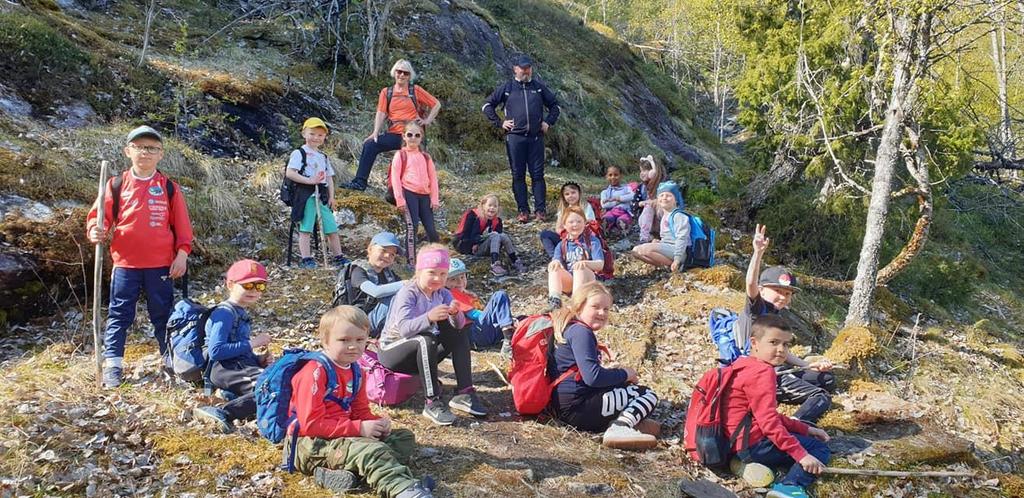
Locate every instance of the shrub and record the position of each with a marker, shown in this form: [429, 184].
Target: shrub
[39, 59]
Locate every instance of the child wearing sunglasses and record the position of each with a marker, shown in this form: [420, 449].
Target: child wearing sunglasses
[414, 182]
[229, 347]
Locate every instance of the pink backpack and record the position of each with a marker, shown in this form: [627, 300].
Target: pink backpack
[385, 386]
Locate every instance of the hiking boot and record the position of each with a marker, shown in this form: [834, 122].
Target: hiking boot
[506, 350]
[339, 481]
[112, 377]
[519, 266]
[624, 437]
[468, 403]
[340, 261]
[353, 185]
[415, 491]
[755, 474]
[438, 413]
[786, 491]
[215, 416]
[497, 270]
[540, 216]
[307, 263]
[523, 218]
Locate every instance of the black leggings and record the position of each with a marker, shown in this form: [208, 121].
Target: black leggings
[810, 389]
[417, 211]
[420, 354]
[627, 404]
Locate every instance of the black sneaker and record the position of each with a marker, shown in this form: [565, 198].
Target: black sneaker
[468, 403]
[353, 185]
[339, 481]
[438, 413]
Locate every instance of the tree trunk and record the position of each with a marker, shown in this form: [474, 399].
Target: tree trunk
[150, 13]
[998, 38]
[785, 168]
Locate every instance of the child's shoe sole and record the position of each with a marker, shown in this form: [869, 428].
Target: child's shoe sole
[338, 481]
[754, 474]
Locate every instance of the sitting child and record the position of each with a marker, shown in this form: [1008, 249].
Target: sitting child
[481, 232]
[768, 293]
[371, 284]
[774, 439]
[488, 324]
[571, 195]
[675, 231]
[423, 328]
[336, 444]
[577, 257]
[597, 398]
[615, 201]
[651, 175]
[234, 366]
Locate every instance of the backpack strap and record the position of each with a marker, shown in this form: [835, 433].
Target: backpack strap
[744, 427]
[391, 92]
[118, 183]
[412, 97]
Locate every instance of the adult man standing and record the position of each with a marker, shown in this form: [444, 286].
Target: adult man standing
[523, 100]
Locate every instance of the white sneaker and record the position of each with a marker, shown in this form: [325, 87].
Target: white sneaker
[627, 438]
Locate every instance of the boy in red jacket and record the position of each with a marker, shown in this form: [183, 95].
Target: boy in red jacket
[146, 223]
[774, 439]
[335, 445]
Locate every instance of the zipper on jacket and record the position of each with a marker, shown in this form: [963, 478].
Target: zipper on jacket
[526, 104]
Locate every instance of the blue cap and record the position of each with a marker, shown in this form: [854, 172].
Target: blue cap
[522, 61]
[671, 186]
[385, 239]
[456, 267]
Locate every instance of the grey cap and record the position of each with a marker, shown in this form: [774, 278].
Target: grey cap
[522, 61]
[144, 131]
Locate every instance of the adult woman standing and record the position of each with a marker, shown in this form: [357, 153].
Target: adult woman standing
[397, 105]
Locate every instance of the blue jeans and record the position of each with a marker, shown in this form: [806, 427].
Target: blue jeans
[549, 239]
[527, 154]
[385, 143]
[378, 315]
[126, 285]
[496, 315]
[765, 452]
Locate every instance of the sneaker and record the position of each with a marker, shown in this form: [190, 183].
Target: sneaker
[755, 474]
[624, 437]
[438, 413]
[340, 261]
[415, 491]
[540, 216]
[353, 185]
[622, 226]
[307, 263]
[339, 481]
[506, 350]
[468, 403]
[112, 377]
[554, 303]
[497, 270]
[786, 491]
[523, 218]
[519, 266]
[215, 416]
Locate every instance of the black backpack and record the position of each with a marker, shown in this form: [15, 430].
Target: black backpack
[288, 186]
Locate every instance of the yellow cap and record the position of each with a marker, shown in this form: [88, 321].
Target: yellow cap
[315, 123]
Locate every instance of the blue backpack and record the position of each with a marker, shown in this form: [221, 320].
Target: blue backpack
[720, 324]
[701, 252]
[186, 328]
[273, 395]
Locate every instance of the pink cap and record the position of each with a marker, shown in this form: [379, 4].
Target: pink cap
[433, 259]
[247, 270]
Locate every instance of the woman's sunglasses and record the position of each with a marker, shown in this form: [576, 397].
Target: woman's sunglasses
[413, 135]
[399, 71]
[260, 286]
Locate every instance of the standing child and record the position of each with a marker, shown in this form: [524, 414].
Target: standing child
[423, 328]
[571, 195]
[597, 398]
[651, 175]
[414, 183]
[768, 293]
[311, 170]
[488, 324]
[370, 284]
[616, 200]
[774, 439]
[229, 345]
[481, 232]
[675, 231]
[578, 256]
[339, 441]
[150, 238]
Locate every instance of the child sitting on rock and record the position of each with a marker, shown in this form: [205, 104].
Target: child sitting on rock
[481, 232]
[578, 256]
[616, 202]
[341, 441]
[370, 284]
[596, 399]
[645, 201]
[675, 231]
[571, 195]
[488, 324]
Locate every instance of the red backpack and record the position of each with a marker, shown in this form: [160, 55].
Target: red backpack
[704, 431]
[593, 229]
[460, 231]
[595, 204]
[532, 344]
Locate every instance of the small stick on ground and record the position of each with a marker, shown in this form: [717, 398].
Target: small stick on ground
[895, 473]
[500, 374]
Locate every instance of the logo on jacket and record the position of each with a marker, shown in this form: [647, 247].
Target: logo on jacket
[349, 387]
[156, 190]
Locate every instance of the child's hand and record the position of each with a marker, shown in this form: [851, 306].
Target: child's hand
[372, 429]
[675, 266]
[372, 136]
[821, 366]
[818, 434]
[266, 359]
[433, 207]
[403, 208]
[320, 177]
[385, 422]
[631, 376]
[95, 236]
[260, 340]
[760, 240]
[812, 465]
[330, 202]
[508, 124]
[438, 313]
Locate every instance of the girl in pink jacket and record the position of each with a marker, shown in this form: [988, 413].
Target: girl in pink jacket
[414, 182]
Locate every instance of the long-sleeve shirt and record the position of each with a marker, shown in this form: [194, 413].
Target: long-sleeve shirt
[473, 229]
[407, 315]
[753, 390]
[580, 349]
[369, 285]
[524, 104]
[323, 418]
[675, 230]
[225, 341]
[417, 175]
[617, 196]
[150, 229]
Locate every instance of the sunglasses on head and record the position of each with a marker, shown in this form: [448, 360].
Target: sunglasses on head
[413, 135]
[400, 71]
[260, 286]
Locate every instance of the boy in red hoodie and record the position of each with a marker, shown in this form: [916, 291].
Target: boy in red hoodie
[335, 445]
[774, 439]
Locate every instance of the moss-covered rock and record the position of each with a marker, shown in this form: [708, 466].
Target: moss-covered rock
[853, 346]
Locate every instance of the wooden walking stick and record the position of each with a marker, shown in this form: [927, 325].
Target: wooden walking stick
[97, 274]
[895, 473]
[320, 224]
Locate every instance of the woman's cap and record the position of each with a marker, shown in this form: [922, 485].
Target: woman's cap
[246, 271]
[315, 123]
[778, 277]
[436, 259]
[385, 239]
[143, 131]
[457, 267]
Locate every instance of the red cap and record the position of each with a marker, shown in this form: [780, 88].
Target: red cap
[247, 270]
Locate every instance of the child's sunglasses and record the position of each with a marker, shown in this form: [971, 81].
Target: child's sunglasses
[260, 286]
[413, 135]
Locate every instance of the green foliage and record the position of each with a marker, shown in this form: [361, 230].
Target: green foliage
[37, 58]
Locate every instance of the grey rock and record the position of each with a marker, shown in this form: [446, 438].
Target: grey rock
[15, 204]
[73, 115]
[12, 104]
